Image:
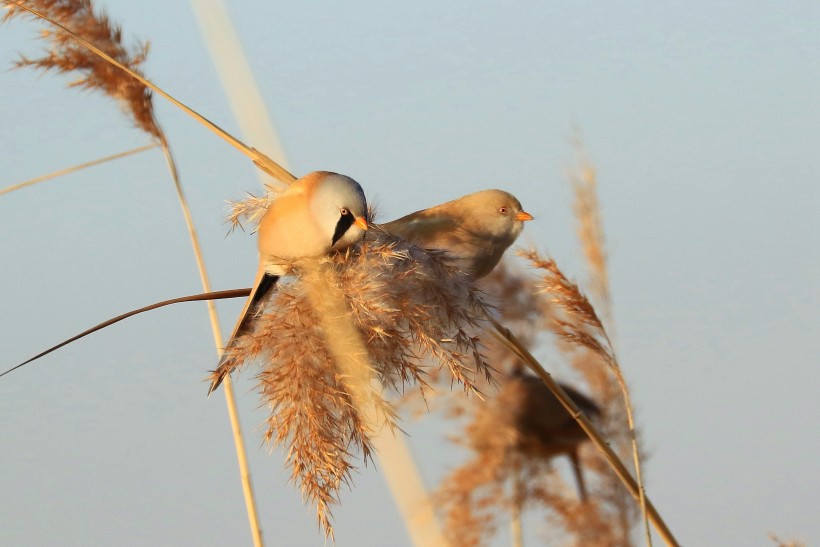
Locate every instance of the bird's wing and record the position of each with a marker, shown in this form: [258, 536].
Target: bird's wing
[263, 286]
[422, 226]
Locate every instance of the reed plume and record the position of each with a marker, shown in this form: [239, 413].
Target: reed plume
[410, 307]
[786, 543]
[615, 397]
[514, 437]
[584, 181]
[64, 55]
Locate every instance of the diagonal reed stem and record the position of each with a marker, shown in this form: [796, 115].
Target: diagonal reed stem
[75, 168]
[513, 344]
[633, 438]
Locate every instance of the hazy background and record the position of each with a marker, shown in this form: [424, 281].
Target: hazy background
[702, 118]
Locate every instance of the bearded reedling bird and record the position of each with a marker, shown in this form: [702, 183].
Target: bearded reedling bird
[545, 426]
[475, 229]
[319, 213]
[525, 416]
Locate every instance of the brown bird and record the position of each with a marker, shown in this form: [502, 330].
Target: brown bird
[546, 428]
[527, 416]
[475, 229]
[317, 214]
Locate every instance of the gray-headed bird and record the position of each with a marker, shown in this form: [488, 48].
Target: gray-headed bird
[474, 229]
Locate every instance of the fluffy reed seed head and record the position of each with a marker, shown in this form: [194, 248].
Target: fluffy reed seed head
[409, 306]
[65, 55]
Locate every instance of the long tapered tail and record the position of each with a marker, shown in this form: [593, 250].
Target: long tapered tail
[228, 362]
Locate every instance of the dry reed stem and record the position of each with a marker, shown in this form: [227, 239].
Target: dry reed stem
[517, 505]
[75, 168]
[261, 160]
[230, 399]
[98, 69]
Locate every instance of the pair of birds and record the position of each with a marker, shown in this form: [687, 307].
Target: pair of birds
[323, 211]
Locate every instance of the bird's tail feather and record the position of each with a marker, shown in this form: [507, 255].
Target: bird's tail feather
[265, 283]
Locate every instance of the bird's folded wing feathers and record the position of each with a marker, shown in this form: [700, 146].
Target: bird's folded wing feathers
[263, 285]
[421, 225]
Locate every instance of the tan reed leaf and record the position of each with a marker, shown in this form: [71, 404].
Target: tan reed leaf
[75, 168]
[64, 55]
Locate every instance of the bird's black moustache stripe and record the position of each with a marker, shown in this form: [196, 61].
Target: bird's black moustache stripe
[344, 224]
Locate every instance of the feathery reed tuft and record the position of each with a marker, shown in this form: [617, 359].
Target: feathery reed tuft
[580, 324]
[407, 305]
[586, 207]
[65, 55]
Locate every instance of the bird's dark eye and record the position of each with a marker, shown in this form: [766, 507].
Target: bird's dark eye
[344, 211]
[502, 210]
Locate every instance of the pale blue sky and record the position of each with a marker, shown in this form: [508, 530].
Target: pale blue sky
[702, 118]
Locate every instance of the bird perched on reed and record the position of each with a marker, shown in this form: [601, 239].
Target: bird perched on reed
[475, 229]
[319, 213]
[543, 426]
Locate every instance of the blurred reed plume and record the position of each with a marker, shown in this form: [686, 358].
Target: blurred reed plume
[514, 437]
[786, 543]
[409, 307]
[64, 55]
[619, 427]
[584, 181]
[585, 343]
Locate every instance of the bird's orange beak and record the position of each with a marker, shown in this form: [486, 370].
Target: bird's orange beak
[523, 215]
[361, 223]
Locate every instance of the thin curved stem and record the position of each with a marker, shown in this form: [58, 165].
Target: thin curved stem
[76, 168]
[239, 443]
[217, 295]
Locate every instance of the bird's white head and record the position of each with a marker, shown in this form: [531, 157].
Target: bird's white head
[339, 205]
